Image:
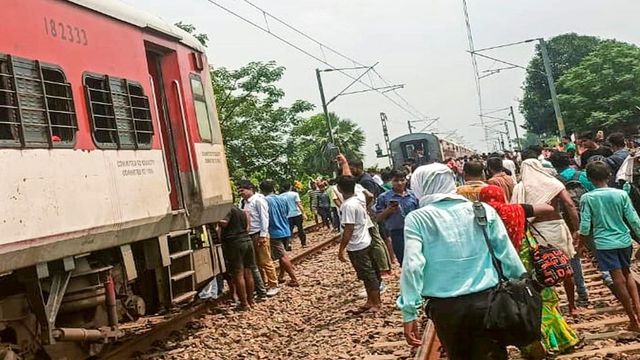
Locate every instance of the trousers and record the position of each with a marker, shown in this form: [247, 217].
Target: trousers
[265, 263]
[297, 221]
[459, 325]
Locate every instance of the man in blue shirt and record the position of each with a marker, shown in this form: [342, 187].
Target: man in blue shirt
[279, 231]
[296, 215]
[449, 263]
[392, 207]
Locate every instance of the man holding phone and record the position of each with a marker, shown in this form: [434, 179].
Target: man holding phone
[391, 209]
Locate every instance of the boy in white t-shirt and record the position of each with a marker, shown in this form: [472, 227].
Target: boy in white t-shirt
[356, 241]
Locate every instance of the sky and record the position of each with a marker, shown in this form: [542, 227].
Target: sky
[419, 43]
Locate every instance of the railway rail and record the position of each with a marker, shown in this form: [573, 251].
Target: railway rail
[162, 326]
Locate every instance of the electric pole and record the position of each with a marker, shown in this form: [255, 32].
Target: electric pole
[552, 86]
[410, 126]
[506, 129]
[385, 133]
[324, 106]
[515, 127]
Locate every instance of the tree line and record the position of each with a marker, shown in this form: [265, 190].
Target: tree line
[598, 85]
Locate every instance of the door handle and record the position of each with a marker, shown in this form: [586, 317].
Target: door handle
[186, 135]
[164, 156]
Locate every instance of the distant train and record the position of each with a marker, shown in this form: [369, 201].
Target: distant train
[424, 148]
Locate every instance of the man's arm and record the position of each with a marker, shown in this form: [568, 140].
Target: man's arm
[570, 210]
[263, 208]
[344, 240]
[504, 250]
[344, 165]
[631, 215]
[411, 279]
[384, 210]
[300, 207]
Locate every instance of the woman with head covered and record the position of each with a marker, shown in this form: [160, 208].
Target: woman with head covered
[446, 261]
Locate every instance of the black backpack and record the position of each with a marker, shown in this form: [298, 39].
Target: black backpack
[574, 188]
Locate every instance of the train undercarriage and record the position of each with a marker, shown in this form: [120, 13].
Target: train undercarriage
[72, 308]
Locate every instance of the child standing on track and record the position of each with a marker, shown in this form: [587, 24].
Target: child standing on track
[604, 211]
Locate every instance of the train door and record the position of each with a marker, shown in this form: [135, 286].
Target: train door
[160, 82]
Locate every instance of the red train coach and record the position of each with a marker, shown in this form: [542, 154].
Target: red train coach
[113, 165]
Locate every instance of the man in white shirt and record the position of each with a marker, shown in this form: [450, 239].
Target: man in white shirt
[258, 210]
[356, 242]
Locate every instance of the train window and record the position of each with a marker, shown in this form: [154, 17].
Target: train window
[119, 111]
[36, 105]
[202, 111]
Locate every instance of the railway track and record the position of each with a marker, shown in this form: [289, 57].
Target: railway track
[602, 326]
[160, 327]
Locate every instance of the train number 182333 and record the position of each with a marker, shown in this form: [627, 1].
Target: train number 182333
[65, 32]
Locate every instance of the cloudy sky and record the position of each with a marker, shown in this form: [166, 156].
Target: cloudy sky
[417, 43]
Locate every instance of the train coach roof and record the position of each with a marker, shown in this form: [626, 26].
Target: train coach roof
[126, 13]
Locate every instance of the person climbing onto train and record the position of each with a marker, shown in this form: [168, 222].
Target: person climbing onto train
[392, 207]
[296, 215]
[499, 177]
[446, 261]
[279, 231]
[537, 186]
[557, 334]
[237, 248]
[608, 216]
[473, 180]
[258, 209]
[356, 242]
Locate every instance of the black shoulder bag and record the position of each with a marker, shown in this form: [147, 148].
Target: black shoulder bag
[514, 315]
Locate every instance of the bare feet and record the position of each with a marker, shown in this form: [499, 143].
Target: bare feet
[293, 283]
[576, 312]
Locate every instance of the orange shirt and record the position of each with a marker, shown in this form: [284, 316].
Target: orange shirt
[471, 190]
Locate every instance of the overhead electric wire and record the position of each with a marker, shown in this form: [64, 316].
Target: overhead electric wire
[413, 112]
[475, 66]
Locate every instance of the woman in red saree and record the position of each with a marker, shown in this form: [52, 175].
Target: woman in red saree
[557, 335]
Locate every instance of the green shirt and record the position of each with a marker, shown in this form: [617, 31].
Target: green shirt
[603, 212]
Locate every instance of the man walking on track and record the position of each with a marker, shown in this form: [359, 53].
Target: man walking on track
[279, 231]
[296, 216]
[258, 209]
[356, 242]
[473, 180]
[447, 261]
[539, 187]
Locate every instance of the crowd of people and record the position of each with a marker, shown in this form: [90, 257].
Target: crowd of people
[574, 197]
[577, 197]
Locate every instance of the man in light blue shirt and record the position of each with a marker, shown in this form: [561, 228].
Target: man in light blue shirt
[447, 261]
[296, 214]
[279, 232]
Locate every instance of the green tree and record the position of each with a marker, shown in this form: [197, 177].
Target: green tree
[604, 89]
[310, 143]
[203, 38]
[255, 127]
[565, 52]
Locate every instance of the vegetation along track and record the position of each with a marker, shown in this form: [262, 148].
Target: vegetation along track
[142, 333]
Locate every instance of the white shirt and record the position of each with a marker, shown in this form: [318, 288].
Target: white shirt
[377, 179]
[352, 212]
[511, 166]
[258, 210]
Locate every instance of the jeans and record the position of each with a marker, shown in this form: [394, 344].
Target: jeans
[257, 280]
[335, 219]
[578, 279]
[460, 327]
[397, 243]
[296, 221]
